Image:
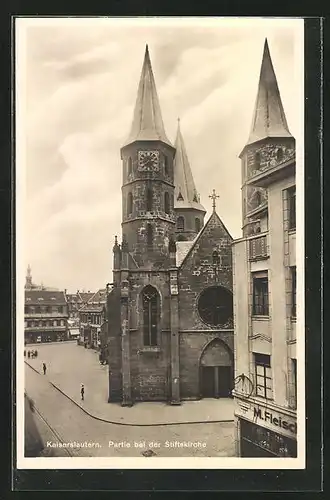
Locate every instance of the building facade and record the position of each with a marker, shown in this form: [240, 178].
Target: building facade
[264, 275]
[92, 317]
[170, 311]
[45, 316]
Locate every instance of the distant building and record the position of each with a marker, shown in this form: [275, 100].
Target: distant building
[92, 317]
[45, 316]
[264, 276]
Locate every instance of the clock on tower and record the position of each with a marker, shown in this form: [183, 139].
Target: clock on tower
[148, 160]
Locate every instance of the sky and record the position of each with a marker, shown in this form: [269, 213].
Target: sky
[76, 86]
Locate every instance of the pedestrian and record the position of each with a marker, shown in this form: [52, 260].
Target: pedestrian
[24, 353]
[44, 368]
[82, 392]
[29, 354]
[36, 353]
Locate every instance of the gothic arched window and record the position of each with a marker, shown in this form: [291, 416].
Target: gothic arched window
[215, 258]
[279, 154]
[150, 305]
[129, 166]
[180, 223]
[149, 200]
[129, 203]
[167, 202]
[150, 236]
[166, 166]
[197, 225]
[215, 305]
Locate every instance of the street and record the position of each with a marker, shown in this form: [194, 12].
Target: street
[60, 419]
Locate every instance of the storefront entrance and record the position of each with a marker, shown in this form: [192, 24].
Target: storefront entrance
[216, 371]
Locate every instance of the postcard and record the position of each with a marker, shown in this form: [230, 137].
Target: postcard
[159, 201]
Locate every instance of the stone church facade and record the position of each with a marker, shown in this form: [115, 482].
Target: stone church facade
[170, 310]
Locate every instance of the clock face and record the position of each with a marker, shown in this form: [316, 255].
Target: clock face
[148, 160]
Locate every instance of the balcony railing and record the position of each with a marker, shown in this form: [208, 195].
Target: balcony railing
[258, 247]
[46, 315]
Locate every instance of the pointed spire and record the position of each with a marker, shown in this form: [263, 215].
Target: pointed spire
[269, 118]
[185, 190]
[147, 119]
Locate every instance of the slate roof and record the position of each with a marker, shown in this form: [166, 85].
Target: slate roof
[85, 296]
[96, 302]
[268, 118]
[147, 119]
[185, 193]
[44, 297]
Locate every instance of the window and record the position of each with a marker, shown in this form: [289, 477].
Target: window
[129, 166]
[48, 309]
[60, 309]
[149, 235]
[26, 309]
[257, 199]
[167, 202]
[149, 200]
[263, 376]
[294, 380]
[150, 304]
[55, 322]
[166, 166]
[260, 294]
[129, 203]
[180, 223]
[38, 309]
[292, 207]
[215, 305]
[225, 260]
[215, 258]
[180, 197]
[293, 292]
[257, 159]
[25, 324]
[279, 154]
[197, 225]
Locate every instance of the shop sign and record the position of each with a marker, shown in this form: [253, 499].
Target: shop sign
[271, 419]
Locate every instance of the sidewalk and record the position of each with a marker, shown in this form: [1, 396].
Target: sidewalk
[72, 365]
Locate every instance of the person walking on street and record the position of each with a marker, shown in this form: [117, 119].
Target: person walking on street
[29, 354]
[82, 392]
[44, 368]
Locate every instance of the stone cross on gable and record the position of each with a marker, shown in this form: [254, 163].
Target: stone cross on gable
[214, 196]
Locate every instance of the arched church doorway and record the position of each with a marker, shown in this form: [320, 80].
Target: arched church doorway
[216, 371]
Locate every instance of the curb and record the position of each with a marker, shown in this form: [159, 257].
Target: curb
[161, 424]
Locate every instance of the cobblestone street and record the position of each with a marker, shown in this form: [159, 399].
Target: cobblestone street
[68, 365]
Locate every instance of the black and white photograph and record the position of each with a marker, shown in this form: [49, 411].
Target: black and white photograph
[160, 243]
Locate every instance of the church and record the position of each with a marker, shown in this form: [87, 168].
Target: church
[170, 309]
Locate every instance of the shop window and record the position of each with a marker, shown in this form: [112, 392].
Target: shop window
[263, 376]
[149, 200]
[197, 225]
[150, 304]
[180, 223]
[167, 202]
[260, 294]
[292, 207]
[129, 204]
[293, 292]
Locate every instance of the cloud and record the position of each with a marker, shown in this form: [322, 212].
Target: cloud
[80, 88]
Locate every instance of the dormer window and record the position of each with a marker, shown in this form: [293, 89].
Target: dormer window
[180, 197]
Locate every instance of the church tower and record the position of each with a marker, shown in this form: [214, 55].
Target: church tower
[28, 279]
[189, 212]
[270, 143]
[148, 218]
